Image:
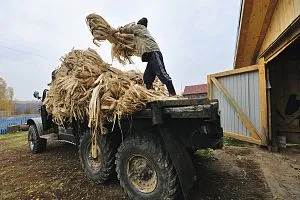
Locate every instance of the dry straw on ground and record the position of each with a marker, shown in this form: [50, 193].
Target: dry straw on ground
[86, 86]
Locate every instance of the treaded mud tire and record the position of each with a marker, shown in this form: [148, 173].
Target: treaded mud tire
[105, 168]
[35, 143]
[153, 150]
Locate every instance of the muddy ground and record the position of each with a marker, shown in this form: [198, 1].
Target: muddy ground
[247, 172]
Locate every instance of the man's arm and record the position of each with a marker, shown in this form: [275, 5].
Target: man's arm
[129, 29]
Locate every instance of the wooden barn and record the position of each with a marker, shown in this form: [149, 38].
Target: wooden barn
[260, 98]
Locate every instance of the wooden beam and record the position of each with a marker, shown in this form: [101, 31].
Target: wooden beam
[269, 105]
[243, 29]
[254, 14]
[236, 71]
[289, 130]
[263, 31]
[288, 36]
[282, 20]
[237, 109]
[291, 118]
[263, 105]
[283, 47]
[210, 87]
[242, 137]
[239, 32]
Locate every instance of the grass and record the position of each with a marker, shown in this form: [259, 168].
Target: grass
[53, 174]
[205, 153]
[13, 140]
[233, 142]
[208, 153]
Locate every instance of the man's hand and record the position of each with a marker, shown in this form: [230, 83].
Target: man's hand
[114, 31]
[120, 29]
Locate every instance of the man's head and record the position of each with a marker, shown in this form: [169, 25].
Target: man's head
[143, 21]
[53, 75]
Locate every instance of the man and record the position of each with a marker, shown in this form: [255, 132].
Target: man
[149, 51]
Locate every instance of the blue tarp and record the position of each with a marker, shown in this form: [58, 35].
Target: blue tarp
[5, 122]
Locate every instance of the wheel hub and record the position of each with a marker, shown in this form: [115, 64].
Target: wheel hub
[31, 140]
[142, 174]
[93, 163]
[31, 145]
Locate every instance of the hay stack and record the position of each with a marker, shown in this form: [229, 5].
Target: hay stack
[123, 45]
[86, 86]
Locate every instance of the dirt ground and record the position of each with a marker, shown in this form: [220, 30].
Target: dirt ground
[231, 173]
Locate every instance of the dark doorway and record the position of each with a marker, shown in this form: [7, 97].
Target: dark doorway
[284, 76]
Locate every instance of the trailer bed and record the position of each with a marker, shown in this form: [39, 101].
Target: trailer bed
[180, 108]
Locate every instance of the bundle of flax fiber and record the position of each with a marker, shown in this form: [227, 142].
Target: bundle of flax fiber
[123, 45]
[86, 86]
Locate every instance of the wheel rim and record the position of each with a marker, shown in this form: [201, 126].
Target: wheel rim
[31, 140]
[142, 174]
[31, 145]
[93, 163]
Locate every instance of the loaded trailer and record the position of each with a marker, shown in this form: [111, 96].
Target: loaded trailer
[151, 150]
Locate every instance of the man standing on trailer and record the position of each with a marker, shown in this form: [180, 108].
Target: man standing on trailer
[149, 51]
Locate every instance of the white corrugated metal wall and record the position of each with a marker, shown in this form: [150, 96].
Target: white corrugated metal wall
[244, 88]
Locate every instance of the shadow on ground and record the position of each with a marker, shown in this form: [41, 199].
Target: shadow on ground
[229, 174]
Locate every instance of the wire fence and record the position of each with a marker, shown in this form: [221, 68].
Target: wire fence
[5, 122]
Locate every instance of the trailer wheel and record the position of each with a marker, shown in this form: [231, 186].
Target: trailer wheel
[35, 143]
[145, 169]
[98, 169]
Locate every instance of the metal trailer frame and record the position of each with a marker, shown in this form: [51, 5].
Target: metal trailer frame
[180, 123]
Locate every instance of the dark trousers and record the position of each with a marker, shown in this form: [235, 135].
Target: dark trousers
[156, 67]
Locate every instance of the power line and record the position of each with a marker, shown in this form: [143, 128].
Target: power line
[22, 51]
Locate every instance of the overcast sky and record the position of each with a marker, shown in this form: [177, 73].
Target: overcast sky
[196, 37]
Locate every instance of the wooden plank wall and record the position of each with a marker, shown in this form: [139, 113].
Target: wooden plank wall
[285, 13]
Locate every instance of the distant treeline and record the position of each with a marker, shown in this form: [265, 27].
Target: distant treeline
[21, 108]
[9, 107]
[26, 107]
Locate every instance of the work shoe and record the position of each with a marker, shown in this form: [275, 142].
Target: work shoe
[171, 89]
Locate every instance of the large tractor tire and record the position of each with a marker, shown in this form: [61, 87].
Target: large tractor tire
[145, 169]
[102, 168]
[36, 144]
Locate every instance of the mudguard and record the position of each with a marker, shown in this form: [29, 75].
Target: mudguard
[181, 160]
[38, 122]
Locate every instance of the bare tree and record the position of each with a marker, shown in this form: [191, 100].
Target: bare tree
[6, 96]
[10, 93]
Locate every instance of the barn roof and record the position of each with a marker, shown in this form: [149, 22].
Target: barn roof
[195, 89]
[255, 18]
